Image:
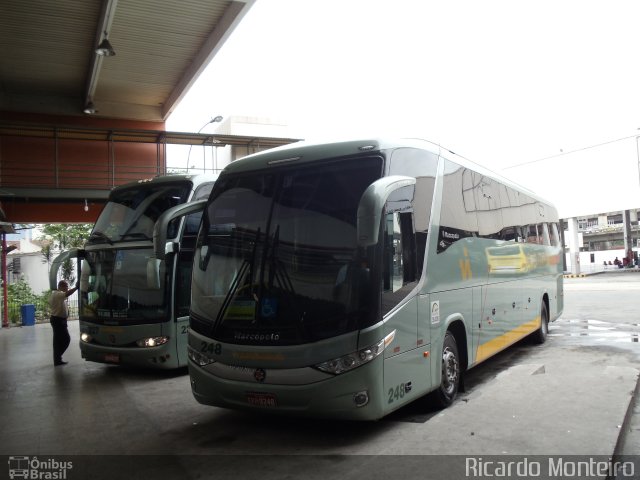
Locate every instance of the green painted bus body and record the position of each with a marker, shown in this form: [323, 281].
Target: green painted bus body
[485, 284]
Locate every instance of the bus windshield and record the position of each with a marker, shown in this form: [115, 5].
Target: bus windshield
[114, 290]
[131, 213]
[277, 260]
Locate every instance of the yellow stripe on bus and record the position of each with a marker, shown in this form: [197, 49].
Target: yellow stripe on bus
[503, 341]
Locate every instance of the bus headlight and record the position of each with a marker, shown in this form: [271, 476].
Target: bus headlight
[356, 359]
[152, 341]
[85, 337]
[199, 358]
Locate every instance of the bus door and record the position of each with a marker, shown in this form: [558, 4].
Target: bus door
[182, 286]
[400, 275]
[399, 279]
[182, 299]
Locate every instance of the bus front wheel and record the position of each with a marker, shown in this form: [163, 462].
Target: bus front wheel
[450, 378]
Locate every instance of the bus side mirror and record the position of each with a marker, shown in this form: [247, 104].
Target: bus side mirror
[153, 266]
[171, 247]
[153, 273]
[371, 205]
[57, 263]
[85, 273]
[162, 224]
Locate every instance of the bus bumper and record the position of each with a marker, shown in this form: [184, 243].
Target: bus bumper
[334, 397]
[162, 357]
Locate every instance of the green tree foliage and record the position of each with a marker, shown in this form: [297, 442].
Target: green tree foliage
[20, 293]
[67, 235]
[47, 253]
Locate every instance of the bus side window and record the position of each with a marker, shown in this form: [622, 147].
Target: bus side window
[400, 265]
[389, 252]
[408, 240]
[192, 222]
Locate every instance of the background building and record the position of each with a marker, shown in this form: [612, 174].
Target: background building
[27, 263]
[600, 238]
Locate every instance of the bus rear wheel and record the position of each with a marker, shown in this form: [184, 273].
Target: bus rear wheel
[540, 335]
[450, 378]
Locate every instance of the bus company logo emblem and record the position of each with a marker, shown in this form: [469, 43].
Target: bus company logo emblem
[259, 374]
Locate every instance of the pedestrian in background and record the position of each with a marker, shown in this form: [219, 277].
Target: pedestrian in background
[59, 314]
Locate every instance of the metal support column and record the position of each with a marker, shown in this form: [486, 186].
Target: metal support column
[628, 241]
[574, 246]
[5, 316]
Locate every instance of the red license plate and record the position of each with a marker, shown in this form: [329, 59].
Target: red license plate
[112, 358]
[267, 400]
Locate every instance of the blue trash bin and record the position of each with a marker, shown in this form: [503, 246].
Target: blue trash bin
[28, 315]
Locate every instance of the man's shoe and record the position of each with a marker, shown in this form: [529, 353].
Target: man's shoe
[61, 362]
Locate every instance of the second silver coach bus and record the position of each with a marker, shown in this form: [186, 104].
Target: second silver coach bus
[124, 319]
[348, 279]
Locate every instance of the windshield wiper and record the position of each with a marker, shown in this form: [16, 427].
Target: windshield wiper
[96, 234]
[227, 299]
[277, 270]
[246, 265]
[253, 260]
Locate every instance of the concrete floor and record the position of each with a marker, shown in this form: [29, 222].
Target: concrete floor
[560, 398]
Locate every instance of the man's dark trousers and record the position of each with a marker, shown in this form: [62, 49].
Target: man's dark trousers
[61, 338]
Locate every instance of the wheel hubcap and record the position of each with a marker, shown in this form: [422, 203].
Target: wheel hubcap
[449, 371]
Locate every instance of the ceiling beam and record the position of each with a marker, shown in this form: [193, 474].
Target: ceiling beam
[138, 135]
[54, 211]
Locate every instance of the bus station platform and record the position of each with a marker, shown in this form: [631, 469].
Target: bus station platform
[110, 422]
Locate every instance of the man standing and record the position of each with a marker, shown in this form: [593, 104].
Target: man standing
[59, 314]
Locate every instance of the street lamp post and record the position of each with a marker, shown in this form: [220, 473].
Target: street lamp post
[215, 119]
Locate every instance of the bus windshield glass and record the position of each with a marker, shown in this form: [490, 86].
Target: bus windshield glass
[131, 213]
[277, 260]
[114, 290]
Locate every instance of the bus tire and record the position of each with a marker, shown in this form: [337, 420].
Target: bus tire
[450, 378]
[540, 335]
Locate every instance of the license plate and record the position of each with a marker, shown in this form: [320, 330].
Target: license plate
[112, 358]
[267, 400]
